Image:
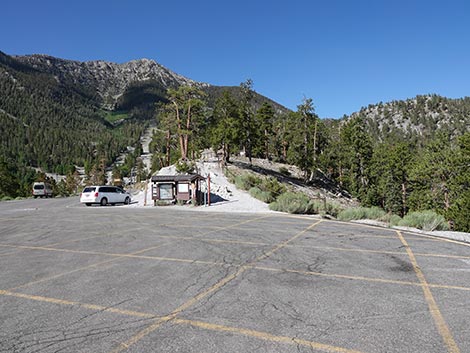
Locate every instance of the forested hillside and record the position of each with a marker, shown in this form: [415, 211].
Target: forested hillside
[56, 114]
[417, 119]
[55, 126]
[402, 156]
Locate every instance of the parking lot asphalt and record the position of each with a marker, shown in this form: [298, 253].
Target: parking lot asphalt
[157, 279]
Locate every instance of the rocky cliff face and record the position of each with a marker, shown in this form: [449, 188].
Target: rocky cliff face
[110, 80]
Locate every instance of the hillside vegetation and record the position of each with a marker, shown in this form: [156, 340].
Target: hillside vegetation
[378, 156]
[401, 156]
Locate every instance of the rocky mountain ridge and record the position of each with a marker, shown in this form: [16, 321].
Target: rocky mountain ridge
[417, 117]
[110, 80]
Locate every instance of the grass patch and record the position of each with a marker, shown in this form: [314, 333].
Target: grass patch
[356, 213]
[425, 220]
[246, 181]
[261, 188]
[298, 203]
[261, 195]
[292, 202]
[112, 117]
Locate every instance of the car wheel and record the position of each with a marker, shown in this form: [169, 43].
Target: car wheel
[104, 201]
[88, 204]
[127, 201]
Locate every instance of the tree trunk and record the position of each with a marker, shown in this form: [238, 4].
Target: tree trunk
[403, 199]
[168, 156]
[315, 143]
[284, 150]
[266, 144]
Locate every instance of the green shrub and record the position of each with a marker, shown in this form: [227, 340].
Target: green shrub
[246, 181]
[292, 202]
[273, 186]
[185, 167]
[355, 213]
[332, 208]
[425, 220]
[261, 195]
[394, 220]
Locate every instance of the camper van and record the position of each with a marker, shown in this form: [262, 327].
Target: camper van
[41, 189]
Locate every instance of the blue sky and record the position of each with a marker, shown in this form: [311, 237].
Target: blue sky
[343, 54]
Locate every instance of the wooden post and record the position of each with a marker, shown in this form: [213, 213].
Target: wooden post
[145, 193]
[209, 189]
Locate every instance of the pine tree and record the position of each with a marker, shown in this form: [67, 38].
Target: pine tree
[431, 175]
[302, 137]
[458, 212]
[183, 114]
[357, 153]
[264, 120]
[388, 186]
[226, 133]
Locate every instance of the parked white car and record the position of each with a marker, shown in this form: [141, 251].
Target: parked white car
[104, 195]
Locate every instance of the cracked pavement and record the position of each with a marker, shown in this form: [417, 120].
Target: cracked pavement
[120, 279]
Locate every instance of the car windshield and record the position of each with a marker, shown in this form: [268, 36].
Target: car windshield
[38, 187]
[89, 189]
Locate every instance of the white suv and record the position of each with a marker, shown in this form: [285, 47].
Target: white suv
[104, 195]
[41, 189]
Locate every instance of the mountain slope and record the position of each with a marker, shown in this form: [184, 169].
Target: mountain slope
[53, 124]
[417, 118]
[56, 113]
[109, 80]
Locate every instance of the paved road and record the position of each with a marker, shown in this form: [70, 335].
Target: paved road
[123, 279]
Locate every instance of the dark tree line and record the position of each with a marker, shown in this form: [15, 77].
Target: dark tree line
[399, 170]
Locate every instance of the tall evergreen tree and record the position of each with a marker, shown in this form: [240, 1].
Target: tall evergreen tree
[226, 133]
[184, 113]
[302, 137]
[357, 153]
[248, 129]
[431, 175]
[388, 186]
[264, 120]
[459, 210]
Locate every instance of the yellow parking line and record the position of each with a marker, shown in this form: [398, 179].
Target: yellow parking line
[84, 268]
[174, 225]
[161, 320]
[445, 256]
[134, 339]
[125, 345]
[285, 243]
[159, 258]
[73, 303]
[436, 238]
[239, 223]
[209, 240]
[264, 336]
[154, 326]
[241, 242]
[337, 276]
[441, 324]
[213, 263]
